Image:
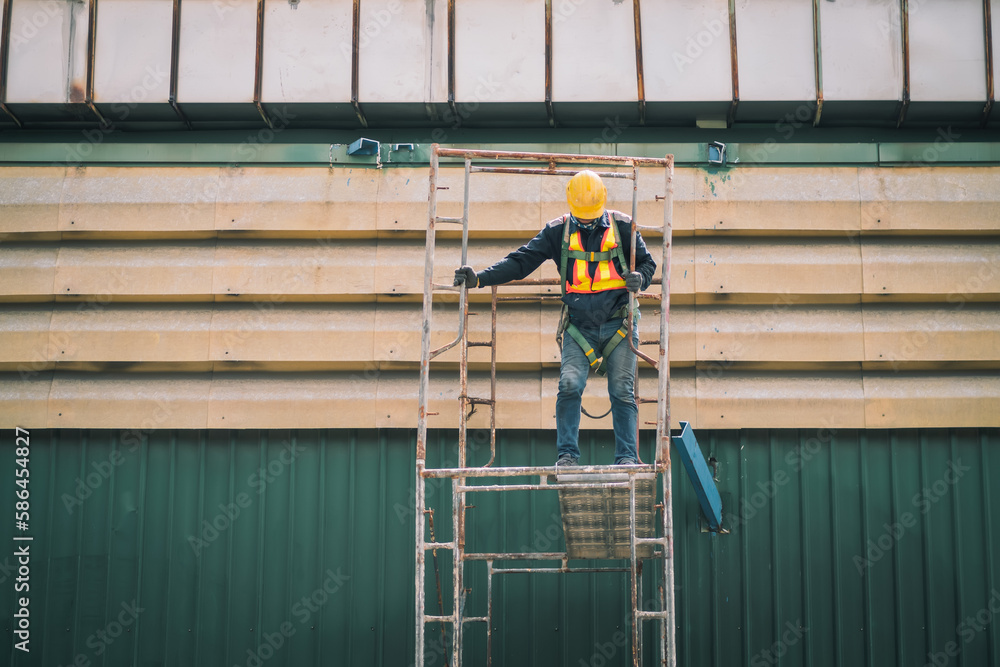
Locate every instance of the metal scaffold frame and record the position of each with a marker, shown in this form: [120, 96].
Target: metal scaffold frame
[458, 475]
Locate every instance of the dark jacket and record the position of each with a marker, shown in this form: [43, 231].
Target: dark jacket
[584, 309]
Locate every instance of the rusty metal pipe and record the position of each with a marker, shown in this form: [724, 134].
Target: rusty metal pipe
[437, 581]
[544, 487]
[558, 570]
[550, 157]
[633, 582]
[531, 471]
[548, 172]
[668, 626]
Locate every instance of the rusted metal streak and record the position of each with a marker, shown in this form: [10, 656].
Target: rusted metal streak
[904, 18]
[639, 80]
[548, 64]
[551, 157]
[734, 63]
[818, 62]
[91, 51]
[258, 65]
[175, 39]
[988, 42]
[355, 62]
[545, 487]
[531, 471]
[4, 52]
[550, 172]
[451, 58]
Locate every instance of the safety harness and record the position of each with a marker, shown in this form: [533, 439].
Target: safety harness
[606, 277]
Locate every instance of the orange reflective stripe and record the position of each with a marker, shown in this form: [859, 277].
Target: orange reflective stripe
[606, 276]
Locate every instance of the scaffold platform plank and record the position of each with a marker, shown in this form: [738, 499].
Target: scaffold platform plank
[596, 520]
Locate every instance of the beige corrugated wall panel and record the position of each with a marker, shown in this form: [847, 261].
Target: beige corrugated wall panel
[517, 400]
[139, 199]
[30, 198]
[779, 334]
[120, 400]
[27, 272]
[24, 399]
[517, 205]
[281, 199]
[930, 200]
[760, 266]
[398, 327]
[124, 269]
[130, 334]
[938, 268]
[295, 268]
[342, 333]
[894, 401]
[310, 400]
[814, 199]
[24, 336]
[954, 332]
[732, 399]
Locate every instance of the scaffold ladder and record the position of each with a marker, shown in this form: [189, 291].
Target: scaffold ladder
[614, 486]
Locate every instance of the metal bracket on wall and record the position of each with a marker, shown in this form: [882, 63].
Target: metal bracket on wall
[701, 477]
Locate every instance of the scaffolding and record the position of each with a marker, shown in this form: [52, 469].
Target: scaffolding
[607, 511]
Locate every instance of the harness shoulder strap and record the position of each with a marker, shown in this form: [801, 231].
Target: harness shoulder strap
[617, 251]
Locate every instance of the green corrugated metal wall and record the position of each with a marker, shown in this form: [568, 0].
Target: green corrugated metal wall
[848, 548]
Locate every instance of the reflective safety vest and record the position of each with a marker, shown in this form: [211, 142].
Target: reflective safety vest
[606, 277]
[576, 278]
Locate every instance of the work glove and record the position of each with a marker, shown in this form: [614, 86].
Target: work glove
[633, 282]
[466, 275]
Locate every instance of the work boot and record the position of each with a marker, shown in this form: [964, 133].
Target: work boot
[567, 460]
[627, 462]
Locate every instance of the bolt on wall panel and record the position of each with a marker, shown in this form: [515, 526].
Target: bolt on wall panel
[593, 53]
[947, 51]
[500, 51]
[48, 52]
[307, 51]
[403, 51]
[774, 41]
[217, 50]
[686, 52]
[132, 55]
[861, 50]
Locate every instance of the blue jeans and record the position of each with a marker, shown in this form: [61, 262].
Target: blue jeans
[573, 379]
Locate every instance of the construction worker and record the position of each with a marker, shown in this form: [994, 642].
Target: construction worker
[591, 246]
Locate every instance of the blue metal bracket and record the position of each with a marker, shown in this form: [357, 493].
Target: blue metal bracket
[701, 477]
[363, 147]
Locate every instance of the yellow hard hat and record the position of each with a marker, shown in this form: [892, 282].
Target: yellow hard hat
[586, 195]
